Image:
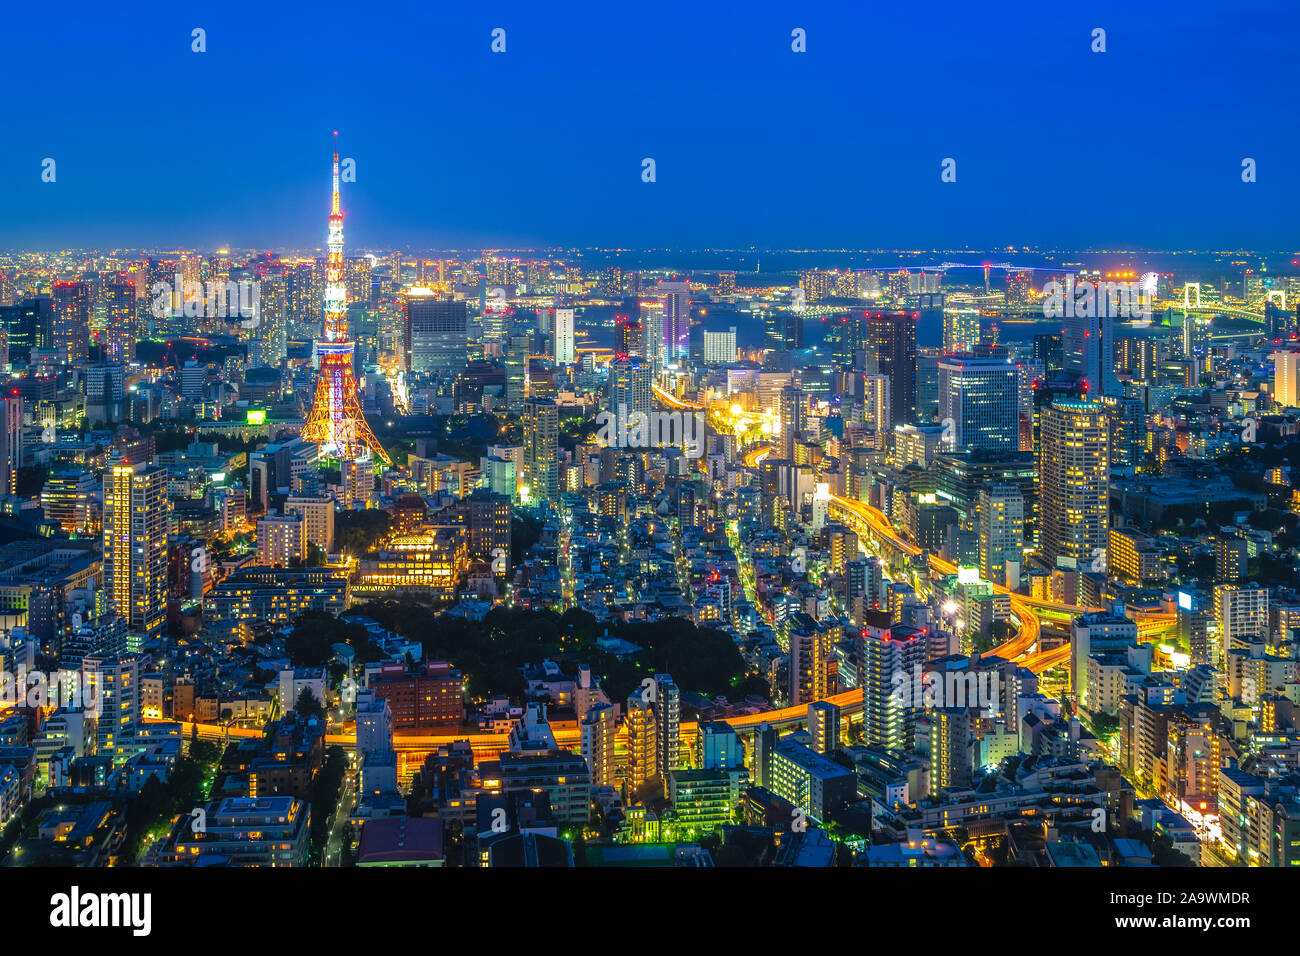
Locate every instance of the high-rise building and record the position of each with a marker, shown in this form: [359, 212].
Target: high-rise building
[135, 543]
[979, 404]
[794, 414]
[1286, 379]
[541, 421]
[629, 386]
[720, 347]
[1002, 533]
[642, 739]
[1073, 481]
[436, 332]
[629, 337]
[1242, 615]
[116, 688]
[676, 299]
[11, 442]
[877, 410]
[890, 659]
[72, 322]
[281, 540]
[563, 335]
[889, 339]
[318, 518]
[668, 739]
[824, 726]
[599, 729]
[518, 349]
[961, 330]
[1088, 348]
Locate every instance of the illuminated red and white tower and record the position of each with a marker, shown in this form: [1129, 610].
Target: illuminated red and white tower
[336, 421]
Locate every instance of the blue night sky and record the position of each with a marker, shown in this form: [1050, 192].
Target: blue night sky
[755, 145]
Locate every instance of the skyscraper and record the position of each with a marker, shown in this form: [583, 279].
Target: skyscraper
[889, 662]
[336, 421]
[1088, 348]
[135, 543]
[1073, 481]
[1002, 533]
[979, 404]
[676, 299]
[72, 322]
[436, 332]
[11, 442]
[564, 345]
[541, 421]
[889, 339]
[1286, 379]
[629, 386]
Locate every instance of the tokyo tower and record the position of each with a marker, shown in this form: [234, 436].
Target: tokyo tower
[336, 421]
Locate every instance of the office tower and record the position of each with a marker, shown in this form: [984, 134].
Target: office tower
[794, 415]
[517, 351]
[11, 442]
[1242, 615]
[71, 340]
[67, 498]
[676, 300]
[1048, 352]
[642, 739]
[541, 423]
[824, 726]
[1073, 481]
[599, 731]
[891, 662]
[113, 681]
[120, 324]
[563, 335]
[720, 347]
[281, 540]
[336, 421]
[979, 404]
[726, 283]
[28, 324]
[1286, 379]
[1002, 534]
[1088, 348]
[1128, 429]
[629, 386]
[136, 508]
[1231, 559]
[436, 331]
[784, 331]
[629, 337]
[877, 410]
[890, 341]
[668, 718]
[961, 330]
